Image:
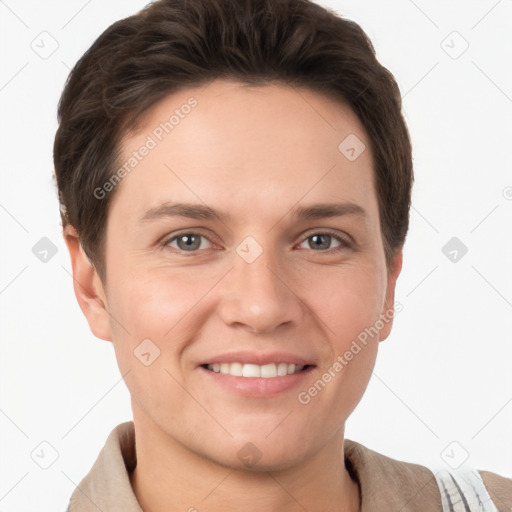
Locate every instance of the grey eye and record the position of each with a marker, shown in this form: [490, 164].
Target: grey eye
[188, 242]
[321, 241]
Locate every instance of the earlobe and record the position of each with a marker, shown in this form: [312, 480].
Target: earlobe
[389, 308]
[88, 287]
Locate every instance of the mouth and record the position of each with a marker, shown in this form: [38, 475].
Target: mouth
[252, 371]
[255, 375]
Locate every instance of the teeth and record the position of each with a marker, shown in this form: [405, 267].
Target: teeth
[282, 369]
[236, 369]
[267, 371]
[251, 370]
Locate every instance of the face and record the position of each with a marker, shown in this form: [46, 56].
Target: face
[244, 242]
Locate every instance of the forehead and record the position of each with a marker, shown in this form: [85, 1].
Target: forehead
[229, 142]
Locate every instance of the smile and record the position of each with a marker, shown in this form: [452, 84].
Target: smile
[266, 371]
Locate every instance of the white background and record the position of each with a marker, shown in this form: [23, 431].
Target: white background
[444, 375]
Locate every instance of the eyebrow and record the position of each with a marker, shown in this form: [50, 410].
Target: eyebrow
[203, 212]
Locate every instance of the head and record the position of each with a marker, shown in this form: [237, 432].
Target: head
[201, 148]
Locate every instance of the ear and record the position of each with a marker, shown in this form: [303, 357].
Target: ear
[389, 303]
[88, 287]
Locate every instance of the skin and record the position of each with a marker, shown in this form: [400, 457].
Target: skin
[257, 153]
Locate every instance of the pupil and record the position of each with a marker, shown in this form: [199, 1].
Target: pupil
[322, 245]
[189, 242]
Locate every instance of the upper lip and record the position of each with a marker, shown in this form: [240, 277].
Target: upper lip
[246, 357]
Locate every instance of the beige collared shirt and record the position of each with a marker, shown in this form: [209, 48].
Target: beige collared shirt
[386, 485]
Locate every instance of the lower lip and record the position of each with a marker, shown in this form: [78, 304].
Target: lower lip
[257, 387]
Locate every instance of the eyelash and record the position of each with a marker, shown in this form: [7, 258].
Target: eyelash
[345, 244]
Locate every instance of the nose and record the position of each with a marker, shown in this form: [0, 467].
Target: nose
[259, 295]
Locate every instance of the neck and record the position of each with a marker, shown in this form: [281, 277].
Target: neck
[168, 476]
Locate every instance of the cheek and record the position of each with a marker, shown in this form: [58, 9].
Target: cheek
[148, 321]
[164, 307]
[349, 318]
[152, 301]
[348, 301]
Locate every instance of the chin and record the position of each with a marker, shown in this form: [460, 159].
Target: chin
[261, 463]
[260, 454]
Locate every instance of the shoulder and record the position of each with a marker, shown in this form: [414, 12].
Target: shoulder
[412, 487]
[390, 484]
[107, 484]
[499, 489]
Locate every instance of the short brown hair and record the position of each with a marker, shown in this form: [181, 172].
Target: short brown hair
[175, 44]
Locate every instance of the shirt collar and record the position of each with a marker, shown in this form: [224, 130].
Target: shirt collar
[385, 483]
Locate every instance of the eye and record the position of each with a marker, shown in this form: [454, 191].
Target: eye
[189, 242]
[194, 242]
[323, 241]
